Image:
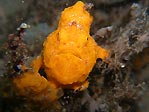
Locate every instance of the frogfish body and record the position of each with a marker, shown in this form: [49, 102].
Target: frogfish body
[68, 56]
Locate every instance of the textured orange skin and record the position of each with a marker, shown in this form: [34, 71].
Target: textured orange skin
[68, 55]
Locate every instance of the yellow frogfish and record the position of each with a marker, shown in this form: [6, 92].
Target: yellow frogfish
[68, 56]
